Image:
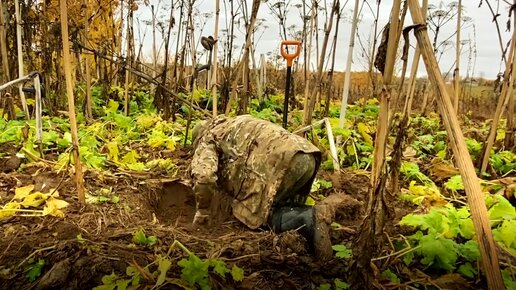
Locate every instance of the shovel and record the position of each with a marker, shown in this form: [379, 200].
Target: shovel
[290, 58]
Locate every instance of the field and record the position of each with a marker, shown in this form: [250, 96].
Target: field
[96, 146]
[135, 227]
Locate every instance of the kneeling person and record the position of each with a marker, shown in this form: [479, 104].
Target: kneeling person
[267, 171]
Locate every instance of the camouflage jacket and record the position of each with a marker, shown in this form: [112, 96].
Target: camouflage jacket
[247, 158]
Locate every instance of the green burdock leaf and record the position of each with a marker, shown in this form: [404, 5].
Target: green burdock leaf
[506, 234]
[342, 251]
[502, 210]
[507, 280]
[467, 229]
[50, 137]
[474, 146]
[163, 267]
[391, 276]
[34, 270]
[219, 267]
[122, 284]
[454, 183]
[469, 251]
[109, 282]
[408, 257]
[140, 238]
[91, 158]
[66, 141]
[438, 252]
[194, 271]
[340, 285]
[237, 273]
[467, 270]
[434, 221]
[109, 279]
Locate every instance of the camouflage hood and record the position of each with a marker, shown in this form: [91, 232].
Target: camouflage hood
[253, 156]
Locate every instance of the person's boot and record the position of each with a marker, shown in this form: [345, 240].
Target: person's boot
[310, 223]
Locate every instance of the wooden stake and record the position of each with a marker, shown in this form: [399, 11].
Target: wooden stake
[39, 104]
[20, 56]
[129, 55]
[333, 150]
[460, 151]
[215, 59]
[307, 61]
[154, 49]
[456, 75]
[88, 111]
[71, 103]
[3, 45]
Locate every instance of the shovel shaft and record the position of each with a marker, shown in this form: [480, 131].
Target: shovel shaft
[287, 97]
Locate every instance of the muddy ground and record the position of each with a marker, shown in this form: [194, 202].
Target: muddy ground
[96, 240]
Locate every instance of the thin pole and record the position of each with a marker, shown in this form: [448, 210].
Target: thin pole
[20, 56]
[347, 77]
[215, 59]
[71, 104]
[457, 61]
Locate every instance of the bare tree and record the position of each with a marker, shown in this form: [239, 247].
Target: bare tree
[345, 90]
[319, 77]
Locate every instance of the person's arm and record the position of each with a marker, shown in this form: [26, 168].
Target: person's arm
[204, 173]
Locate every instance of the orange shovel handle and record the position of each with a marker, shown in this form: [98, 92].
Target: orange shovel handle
[290, 56]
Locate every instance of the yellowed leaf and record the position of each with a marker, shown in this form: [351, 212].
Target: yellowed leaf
[53, 207]
[7, 211]
[35, 199]
[57, 203]
[310, 201]
[53, 211]
[171, 145]
[21, 192]
[54, 192]
[364, 131]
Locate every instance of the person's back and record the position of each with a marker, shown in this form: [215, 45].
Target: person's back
[253, 157]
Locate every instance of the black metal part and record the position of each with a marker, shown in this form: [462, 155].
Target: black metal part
[287, 97]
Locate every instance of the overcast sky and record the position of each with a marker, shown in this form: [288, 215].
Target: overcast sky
[479, 32]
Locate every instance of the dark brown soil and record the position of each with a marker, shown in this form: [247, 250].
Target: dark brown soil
[96, 240]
